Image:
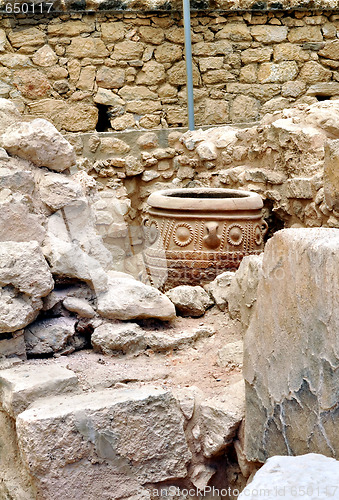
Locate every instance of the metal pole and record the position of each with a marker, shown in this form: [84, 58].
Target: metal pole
[188, 56]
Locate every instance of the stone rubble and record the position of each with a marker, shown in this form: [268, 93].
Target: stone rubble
[190, 300]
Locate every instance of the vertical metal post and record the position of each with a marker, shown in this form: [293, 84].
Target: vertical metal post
[188, 56]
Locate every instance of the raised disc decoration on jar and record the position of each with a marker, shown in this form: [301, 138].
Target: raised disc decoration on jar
[235, 234]
[183, 234]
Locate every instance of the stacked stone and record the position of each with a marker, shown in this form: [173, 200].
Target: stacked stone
[132, 66]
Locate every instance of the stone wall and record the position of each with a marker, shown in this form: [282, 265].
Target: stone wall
[128, 68]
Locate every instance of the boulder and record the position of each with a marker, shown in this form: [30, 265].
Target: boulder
[290, 348]
[9, 114]
[48, 336]
[127, 298]
[190, 300]
[57, 190]
[313, 475]
[39, 142]
[242, 292]
[133, 436]
[24, 279]
[80, 306]
[111, 338]
[219, 289]
[22, 385]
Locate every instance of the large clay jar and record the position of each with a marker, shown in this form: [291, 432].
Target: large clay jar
[192, 235]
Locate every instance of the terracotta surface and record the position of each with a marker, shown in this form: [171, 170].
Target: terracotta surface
[192, 235]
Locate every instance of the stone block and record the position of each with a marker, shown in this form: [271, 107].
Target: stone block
[313, 72]
[86, 47]
[290, 356]
[299, 187]
[277, 73]
[331, 174]
[305, 34]
[32, 83]
[110, 78]
[330, 50]
[27, 37]
[108, 442]
[261, 54]
[22, 385]
[70, 28]
[168, 53]
[244, 109]
[112, 32]
[269, 33]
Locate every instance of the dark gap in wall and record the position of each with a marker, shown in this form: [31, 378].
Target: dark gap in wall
[103, 123]
[323, 97]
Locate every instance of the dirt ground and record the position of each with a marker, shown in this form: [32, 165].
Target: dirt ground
[196, 365]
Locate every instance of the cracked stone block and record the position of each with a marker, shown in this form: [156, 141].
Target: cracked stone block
[291, 348]
[108, 443]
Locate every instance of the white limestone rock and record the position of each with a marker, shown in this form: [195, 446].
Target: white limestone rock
[22, 385]
[190, 300]
[291, 364]
[24, 278]
[242, 292]
[219, 289]
[80, 306]
[39, 142]
[127, 298]
[9, 114]
[57, 190]
[220, 418]
[133, 436]
[312, 475]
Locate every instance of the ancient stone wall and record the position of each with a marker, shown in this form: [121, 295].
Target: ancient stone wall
[119, 71]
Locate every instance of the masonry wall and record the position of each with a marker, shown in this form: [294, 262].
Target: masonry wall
[127, 71]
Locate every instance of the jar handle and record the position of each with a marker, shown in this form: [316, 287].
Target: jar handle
[264, 227]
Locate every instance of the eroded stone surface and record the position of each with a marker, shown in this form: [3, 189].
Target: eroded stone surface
[290, 353]
[190, 300]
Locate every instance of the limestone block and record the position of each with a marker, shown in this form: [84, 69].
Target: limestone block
[175, 34]
[216, 48]
[151, 34]
[86, 78]
[331, 174]
[242, 293]
[258, 91]
[123, 122]
[3, 40]
[281, 72]
[244, 109]
[330, 50]
[24, 278]
[39, 142]
[73, 117]
[168, 53]
[220, 417]
[324, 89]
[293, 332]
[216, 111]
[305, 34]
[22, 385]
[70, 28]
[45, 56]
[289, 52]
[237, 32]
[290, 477]
[275, 104]
[299, 187]
[207, 63]
[152, 73]
[133, 436]
[143, 107]
[130, 92]
[108, 98]
[293, 89]
[32, 83]
[127, 298]
[49, 335]
[57, 190]
[312, 72]
[26, 37]
[112, 32]
[86, 47]
[261, 54]
[249, 73]
[9, 114]
[110, 78]
[269, 34]
[14, 60]
[128, 50]
[190, 300]
[217, 76]
[219, 289]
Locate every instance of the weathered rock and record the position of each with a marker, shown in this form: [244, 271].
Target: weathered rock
[220, 417]
[39, 142]
[57, 190]
[231, 354]
[134, 436]
[331, 174]
[49, 335]
[80, 306]
[127, 298]
[290, 477]
[242, 292]
[112, 338]
[219, 289]
[13, 346]
[24, 279]
[290, 358]
[190, 300]
[9, 114]
[17, 223]
[22, 385]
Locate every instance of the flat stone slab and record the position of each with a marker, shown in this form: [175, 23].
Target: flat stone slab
[22, 385]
